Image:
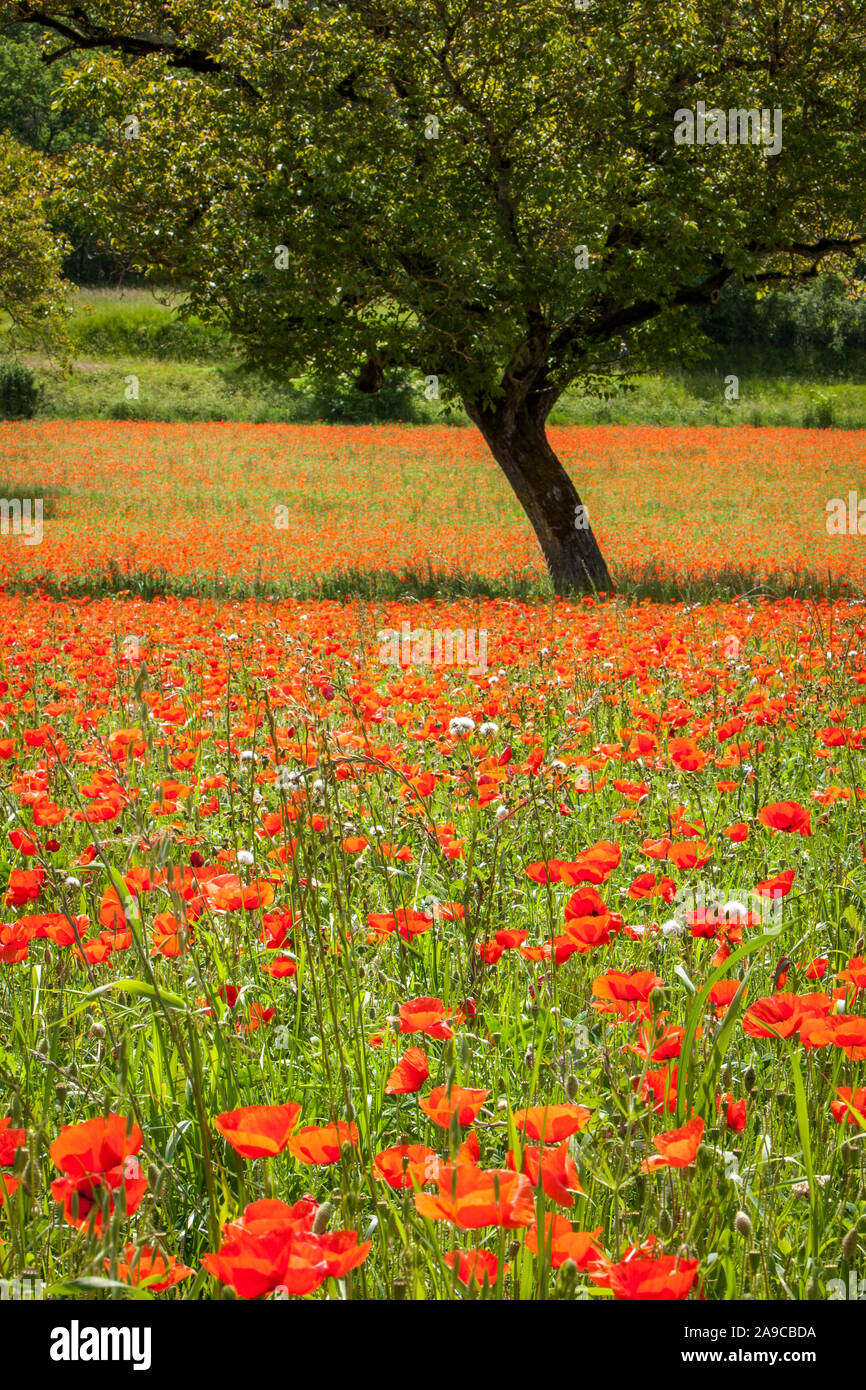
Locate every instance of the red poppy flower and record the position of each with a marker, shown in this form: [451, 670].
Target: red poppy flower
[407, 1165]
[24, 886]
[462, 1101]
[281, 967]
[735, 1112]
[647, 886]
[690, 854]
[97, 1158]
[24, 843]
[425, 1015]
[780, 886]
[586, 905]
[406, 923]
[140, 1266]
[656, 849]
[259, 1131]
[660, 1087]
[788, 816]
[321, 1144]
[473, 1197]
[10, 1140]
[553, 1167]
[8, 1186]
[722, 995]
[409, 1074]
[626, 995]
[664, 1278]
[737, 833]
[226, 893]
[273, 1246]
[854, 973]
[849, 1034]
[685, 754]
[775, 1016]
[677, 1148]
[849, 1105]
[563, 1243]
[552, 1123]
[475, 1264]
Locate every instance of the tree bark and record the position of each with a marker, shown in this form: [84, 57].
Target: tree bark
[517, 439]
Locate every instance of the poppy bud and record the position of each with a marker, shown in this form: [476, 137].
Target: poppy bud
[849, 1244]
[750, 1079]
[727, 1076]
[227, 1292]
[346, 1149]
[571, 1087]
[61, 1090]
[322, 1218]
[567, 1274]
[656, 999]
[154, 1177]
[513, 1250]
[706, 1157]
[813, 1290]
[743, 1224]
[666, 1224]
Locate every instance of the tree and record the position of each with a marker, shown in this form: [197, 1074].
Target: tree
[32, 290]
[32, 114]
[493, 195]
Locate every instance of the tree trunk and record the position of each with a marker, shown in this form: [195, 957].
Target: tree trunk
[517, 439]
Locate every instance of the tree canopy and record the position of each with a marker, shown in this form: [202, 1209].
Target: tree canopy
[32, 290]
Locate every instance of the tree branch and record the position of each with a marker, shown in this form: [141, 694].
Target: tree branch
[89, 36]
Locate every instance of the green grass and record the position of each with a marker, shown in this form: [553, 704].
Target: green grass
[152, 1038]
[206, 391]
[187, 371]
[649, 583]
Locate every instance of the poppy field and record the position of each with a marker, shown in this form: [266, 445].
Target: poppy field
[339, 963]
[270, 510]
